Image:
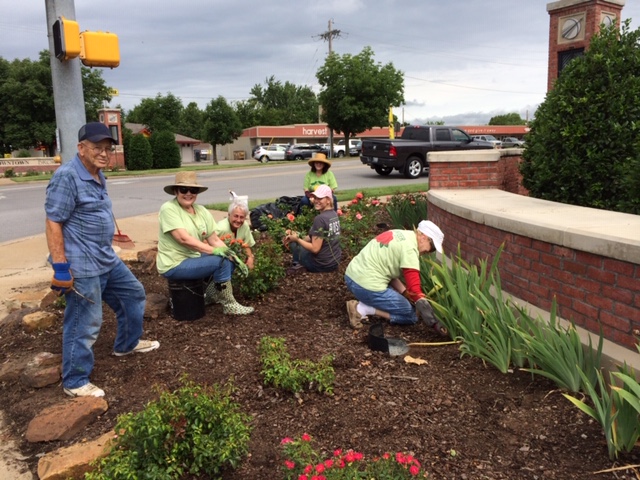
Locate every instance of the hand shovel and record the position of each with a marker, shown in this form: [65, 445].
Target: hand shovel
[394, 346]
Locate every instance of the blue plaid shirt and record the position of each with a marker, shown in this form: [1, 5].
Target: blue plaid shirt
[83, 207]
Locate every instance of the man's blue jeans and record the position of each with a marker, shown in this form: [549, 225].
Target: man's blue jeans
[119, 289]
[203, 266]
[389, 300]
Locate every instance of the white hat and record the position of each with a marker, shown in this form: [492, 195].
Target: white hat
[432, 231]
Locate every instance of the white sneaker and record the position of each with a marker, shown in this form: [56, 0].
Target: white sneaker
[88, 390]
[143, 346]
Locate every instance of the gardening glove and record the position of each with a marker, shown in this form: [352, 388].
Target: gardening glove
[62, 280]
[244, 270]
[425, 312]
[220, 251]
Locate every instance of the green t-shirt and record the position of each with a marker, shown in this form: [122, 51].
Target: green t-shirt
[383, 258]
[171, 217]
[313, 181]
[244, 232]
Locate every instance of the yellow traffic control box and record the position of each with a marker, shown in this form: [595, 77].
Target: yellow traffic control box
[66, 39]
[99, 49]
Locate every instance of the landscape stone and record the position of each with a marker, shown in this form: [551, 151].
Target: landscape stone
[74, 461]
[37, 321]
[64, 420]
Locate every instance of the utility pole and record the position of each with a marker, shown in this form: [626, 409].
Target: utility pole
[328, 36]
[66, 77]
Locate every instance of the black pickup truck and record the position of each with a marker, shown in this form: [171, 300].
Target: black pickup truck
[408, 154]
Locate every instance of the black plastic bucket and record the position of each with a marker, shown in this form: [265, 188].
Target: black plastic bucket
[186, 299]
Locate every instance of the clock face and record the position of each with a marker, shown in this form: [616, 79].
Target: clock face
[571, 28]
[113, 118]
[607, 19]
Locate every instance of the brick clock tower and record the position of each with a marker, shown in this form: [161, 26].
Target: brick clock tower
[112, 118]
[572, 23]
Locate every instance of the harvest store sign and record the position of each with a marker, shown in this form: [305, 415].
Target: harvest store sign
[315, 132]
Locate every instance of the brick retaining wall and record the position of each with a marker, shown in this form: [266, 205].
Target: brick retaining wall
[591, 289]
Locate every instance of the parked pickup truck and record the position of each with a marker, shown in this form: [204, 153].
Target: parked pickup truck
[408, 154]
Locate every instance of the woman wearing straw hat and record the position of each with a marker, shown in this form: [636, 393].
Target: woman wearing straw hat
[319, 175]
[188, 246]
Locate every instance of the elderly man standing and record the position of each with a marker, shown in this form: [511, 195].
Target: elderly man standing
[80, 229]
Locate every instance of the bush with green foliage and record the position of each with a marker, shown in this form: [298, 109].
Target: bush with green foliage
[139, 156]
[196, 430]
[281, 371]
[9, 173]
[268, 269]
[166, 152]
[407, 210]
[23, 154]
[584, 145]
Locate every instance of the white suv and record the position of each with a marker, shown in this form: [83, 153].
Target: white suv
[489, 138]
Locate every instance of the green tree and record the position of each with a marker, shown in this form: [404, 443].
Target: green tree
[508, 119]
[166, 152]
[159, 113]
[585, 138]
[283, 104]
[221, 124]
[139, 156]
[357, 92]
[191, 121]
[248, 113]
[26, 101]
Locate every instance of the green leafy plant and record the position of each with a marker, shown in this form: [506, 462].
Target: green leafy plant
[281, 371]
[407, 210]
[196, 430]
[9, 173]
[302, 462]
[301, 223]
[268, 270]
[558, 354]
[23, 154]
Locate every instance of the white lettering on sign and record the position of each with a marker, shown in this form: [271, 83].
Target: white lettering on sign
[9, 163]
[315, 132]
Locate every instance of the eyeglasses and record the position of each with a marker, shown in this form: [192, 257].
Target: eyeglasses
[185, 190]
[99, 150]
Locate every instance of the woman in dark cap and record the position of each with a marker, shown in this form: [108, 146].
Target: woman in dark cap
[188, 246]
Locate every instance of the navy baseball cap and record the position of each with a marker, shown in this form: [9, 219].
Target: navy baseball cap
[94, 132]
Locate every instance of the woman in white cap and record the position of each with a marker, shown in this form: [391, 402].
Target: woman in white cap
[319, 251]
[188, 244]
[373, 276]
[319, 174]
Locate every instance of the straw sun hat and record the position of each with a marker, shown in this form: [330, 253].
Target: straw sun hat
[185, 179]
[319, 157]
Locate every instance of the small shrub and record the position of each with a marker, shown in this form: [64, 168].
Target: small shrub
[196, 430]
[9, 173]
[166, 152]
[281, 371]
[139, 156]
[23, 154]
[267, 271]
[357, 223]
[31, 173]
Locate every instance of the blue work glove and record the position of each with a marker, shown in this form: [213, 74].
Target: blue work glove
[62, 280]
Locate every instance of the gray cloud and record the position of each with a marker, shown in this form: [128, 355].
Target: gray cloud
[468, 62]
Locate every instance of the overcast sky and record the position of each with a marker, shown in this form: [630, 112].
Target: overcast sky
[464, 61]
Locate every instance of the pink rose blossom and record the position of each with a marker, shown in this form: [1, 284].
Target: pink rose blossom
[358, 216]
[305, 437]
[413, 470]
[286, 440]
[289, 464]
[320, 468]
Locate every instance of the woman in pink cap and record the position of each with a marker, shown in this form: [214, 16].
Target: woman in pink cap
[373, 276]
[320, 250]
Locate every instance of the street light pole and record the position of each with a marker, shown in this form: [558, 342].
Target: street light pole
[66, 77]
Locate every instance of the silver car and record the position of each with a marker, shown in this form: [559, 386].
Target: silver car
[269, 152]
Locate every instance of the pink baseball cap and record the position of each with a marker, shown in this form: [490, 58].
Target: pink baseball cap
[322, 191]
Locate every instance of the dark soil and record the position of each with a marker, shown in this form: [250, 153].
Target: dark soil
[460, 418]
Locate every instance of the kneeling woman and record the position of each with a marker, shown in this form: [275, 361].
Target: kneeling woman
[320, 251]
[187, 242]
